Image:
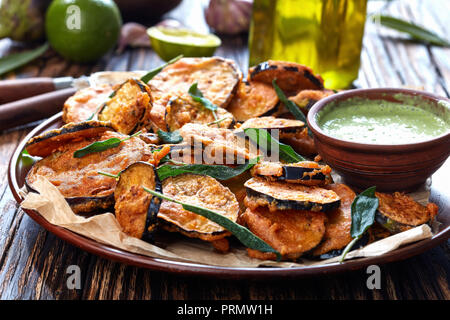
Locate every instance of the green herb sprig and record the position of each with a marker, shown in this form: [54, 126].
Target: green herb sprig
[173, 137]
[245, 236]
[290, 105]
[219, 172]
[416, 32]
[99, 146]
[197, 96]
[149, 75]
[15, 60]
[286, 152]
[107, 174]
[364, 207]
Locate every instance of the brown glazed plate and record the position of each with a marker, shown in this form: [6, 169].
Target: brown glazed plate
[18, 170]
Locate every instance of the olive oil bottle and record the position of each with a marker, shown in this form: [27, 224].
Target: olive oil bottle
[325, 35]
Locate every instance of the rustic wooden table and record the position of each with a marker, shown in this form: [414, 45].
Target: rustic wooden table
[33, 262]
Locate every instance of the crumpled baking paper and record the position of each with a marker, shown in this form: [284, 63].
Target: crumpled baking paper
[105, 229]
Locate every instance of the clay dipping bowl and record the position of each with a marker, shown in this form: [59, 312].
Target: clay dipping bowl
[396, 167]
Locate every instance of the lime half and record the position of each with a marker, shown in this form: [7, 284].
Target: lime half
[169, 42]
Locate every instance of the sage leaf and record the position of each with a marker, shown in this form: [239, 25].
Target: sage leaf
[245, 236]
[416, 32]
[265, 141]
[291, 106]
[15, 60]
[99, 146]
[149, 75]
[219, 172]
[173, 137]
[197, 96]
[363, 209]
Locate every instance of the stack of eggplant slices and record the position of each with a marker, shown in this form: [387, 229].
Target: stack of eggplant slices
[174, 151]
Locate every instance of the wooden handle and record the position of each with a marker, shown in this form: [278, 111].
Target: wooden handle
[32, 109]
[16, 89]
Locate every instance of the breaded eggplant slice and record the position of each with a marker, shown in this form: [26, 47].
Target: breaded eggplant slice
[135, 209]
[182, 110]
[301, 143]
[286, 127]
[52, 140]
[254, 99]
[285, 196]
[290, 77]
[305, 99]
[85, 103]
[217, 79]
[290, 232]
[129, 107]
[339, 221]
[399, 212]
[308, 173]
[215, 143]
[203, 191]
[78, 179]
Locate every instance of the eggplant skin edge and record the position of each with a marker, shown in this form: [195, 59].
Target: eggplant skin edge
[291, 204]
[150, 225]
[97, 128]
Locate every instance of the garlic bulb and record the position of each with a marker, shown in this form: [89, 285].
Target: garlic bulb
[229, 16]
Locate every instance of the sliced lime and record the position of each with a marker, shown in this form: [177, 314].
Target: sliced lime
[169, 42]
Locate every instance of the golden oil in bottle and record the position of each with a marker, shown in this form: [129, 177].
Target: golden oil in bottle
[325, 35]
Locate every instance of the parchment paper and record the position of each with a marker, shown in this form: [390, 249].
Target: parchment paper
[105, 229]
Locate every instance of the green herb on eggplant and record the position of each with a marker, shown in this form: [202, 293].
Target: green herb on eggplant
[219, 172]
[107, 174]
[217, 121]
[245, 236]
[415, 31]
[15, 60]
[363, 209]
[263, 139]
[149, 75]
[97, 109]
[99, 146]
[290, 105]
[197, 96]
[173, 137]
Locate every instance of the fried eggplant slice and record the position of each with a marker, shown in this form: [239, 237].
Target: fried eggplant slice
[217, 79]
[254, 99]
[286, 127]
[308, 173]
[85, 103]
[290, 232]
[78, 179]
[285, 196]
[216, 145]
[51, 140]
[290, 77]
[305, 99]
[129, 107]
[182, 110]
[135, 209]
[399, 212]
[302, 143]
[202, 191]
[339, 221]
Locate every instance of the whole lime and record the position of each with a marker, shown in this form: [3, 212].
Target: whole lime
[82, 30]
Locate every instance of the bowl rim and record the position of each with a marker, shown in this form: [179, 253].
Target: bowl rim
[318, 132]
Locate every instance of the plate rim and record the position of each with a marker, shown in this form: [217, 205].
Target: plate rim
[196, 269]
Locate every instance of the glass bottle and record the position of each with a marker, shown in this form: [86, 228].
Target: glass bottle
[325, 35]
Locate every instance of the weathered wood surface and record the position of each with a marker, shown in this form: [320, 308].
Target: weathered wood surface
[33, 262]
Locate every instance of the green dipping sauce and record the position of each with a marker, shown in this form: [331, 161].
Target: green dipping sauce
[382, 122]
